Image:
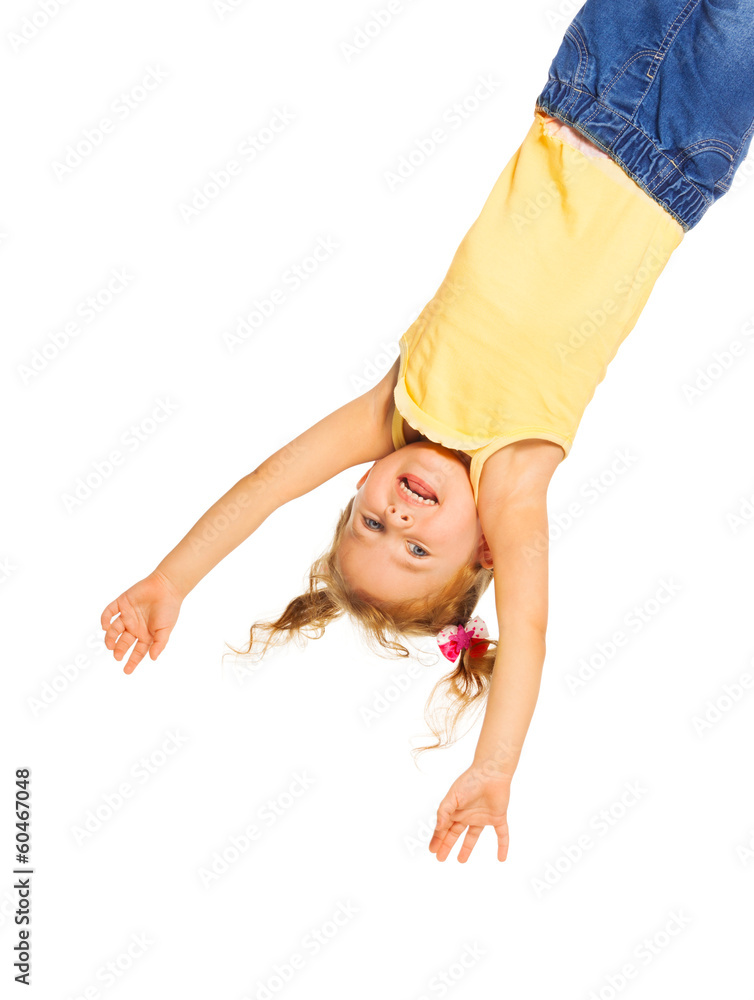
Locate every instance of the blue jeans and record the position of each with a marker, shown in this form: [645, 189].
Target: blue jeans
[665, 88]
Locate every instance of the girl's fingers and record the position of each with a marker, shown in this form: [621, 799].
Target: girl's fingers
[502, 841]
[136, 657]
[437, 838]
[124, 643]
[114, 630]
[468, 842]
[455, 831]
[161, 640]
[441, 829]
[110, 612]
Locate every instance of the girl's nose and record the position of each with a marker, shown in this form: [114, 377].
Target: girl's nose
[393, 512]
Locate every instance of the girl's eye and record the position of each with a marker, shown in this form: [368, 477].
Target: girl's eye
[369, 521]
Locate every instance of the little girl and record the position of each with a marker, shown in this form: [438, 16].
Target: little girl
[647, 113]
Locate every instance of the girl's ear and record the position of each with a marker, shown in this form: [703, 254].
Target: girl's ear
[484, 555]
[363, 478]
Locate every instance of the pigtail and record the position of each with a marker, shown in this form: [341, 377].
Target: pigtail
[310, 612]
[460, 694]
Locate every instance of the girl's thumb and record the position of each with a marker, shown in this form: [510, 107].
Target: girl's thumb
[160, 643]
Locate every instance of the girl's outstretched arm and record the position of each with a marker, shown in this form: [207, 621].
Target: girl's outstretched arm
[516, 528]
[146, 613]
[350, 435]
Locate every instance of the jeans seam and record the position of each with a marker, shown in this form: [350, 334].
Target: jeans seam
[662, 51]
[619, 74]
[725, 182]
[578, 40]
[708, 144]
[746, 137]
[665, 44]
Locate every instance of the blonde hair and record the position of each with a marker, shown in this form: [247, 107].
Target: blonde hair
[329, 595]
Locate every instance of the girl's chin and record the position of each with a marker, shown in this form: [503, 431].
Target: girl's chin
[431, 447]
[441, 461]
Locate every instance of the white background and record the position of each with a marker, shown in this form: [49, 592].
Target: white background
[357, 837]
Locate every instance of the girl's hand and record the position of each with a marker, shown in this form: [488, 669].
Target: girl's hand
[479, 797]
[147, 613]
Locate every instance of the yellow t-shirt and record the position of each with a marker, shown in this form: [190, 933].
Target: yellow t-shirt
[544, 287]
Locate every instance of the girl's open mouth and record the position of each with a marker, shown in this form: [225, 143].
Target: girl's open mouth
[420, 490]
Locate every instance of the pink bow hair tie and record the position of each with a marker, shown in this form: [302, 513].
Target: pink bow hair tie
[471, 636]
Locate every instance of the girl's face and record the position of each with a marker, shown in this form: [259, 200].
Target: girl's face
[398, 546]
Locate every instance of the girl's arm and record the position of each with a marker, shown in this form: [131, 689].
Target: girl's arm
[350, 435]
[517, 534]
[147, 612]
[513, 513]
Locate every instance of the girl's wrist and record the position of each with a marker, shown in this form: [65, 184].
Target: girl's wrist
[488, 767]
[172, 585]
[496, 759]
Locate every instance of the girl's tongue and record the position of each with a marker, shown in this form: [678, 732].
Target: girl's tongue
[420, 487]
